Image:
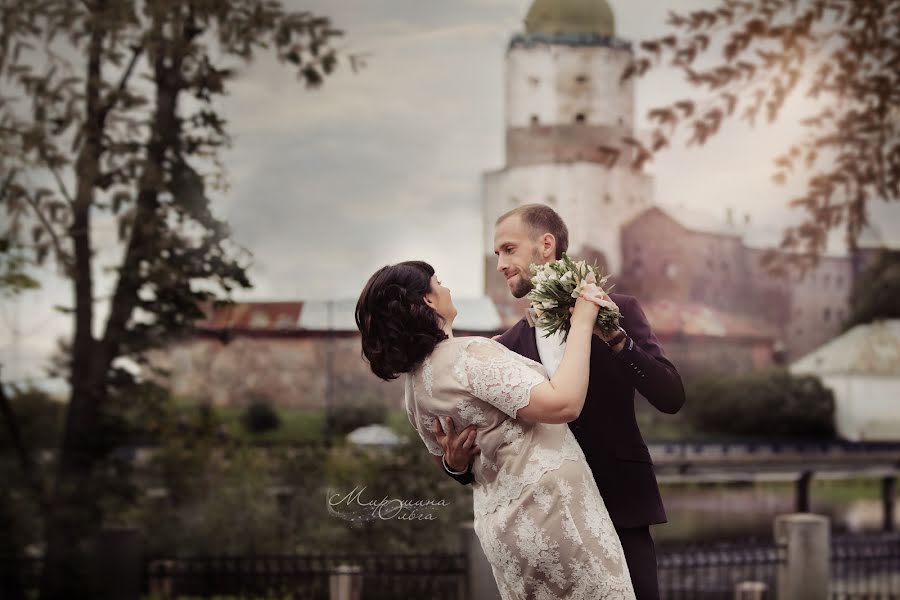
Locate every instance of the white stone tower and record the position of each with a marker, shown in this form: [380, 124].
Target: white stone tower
[568, 115]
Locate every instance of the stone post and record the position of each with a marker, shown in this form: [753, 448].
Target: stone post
[345, 583]
[482, 585]
[804, 543]
[751, 590]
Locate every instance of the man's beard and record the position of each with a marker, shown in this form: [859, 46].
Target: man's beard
[521, 288]
[524, 286]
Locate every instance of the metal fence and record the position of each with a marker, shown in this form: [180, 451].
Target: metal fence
[712, 571]
[865, 568]
[309, 577]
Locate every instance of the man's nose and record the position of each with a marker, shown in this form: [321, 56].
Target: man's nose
[501, 264]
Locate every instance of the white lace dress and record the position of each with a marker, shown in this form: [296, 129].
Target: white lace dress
[538, 514]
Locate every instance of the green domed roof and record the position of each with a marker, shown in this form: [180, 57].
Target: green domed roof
[570, 16]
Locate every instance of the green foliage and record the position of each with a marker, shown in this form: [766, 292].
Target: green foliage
[772, 403]
[14, 277]
[260, 417]
[876, 292]
[40, 419]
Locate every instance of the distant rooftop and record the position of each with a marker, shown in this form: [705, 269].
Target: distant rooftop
[475, 315]
[872, 349]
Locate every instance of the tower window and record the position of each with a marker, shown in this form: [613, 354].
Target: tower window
[582, 79]
[579, 118]
[551, 199]
[607, 198]
[534, 81]
[534, 120]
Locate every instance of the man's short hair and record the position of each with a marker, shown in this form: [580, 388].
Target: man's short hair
[541, 219]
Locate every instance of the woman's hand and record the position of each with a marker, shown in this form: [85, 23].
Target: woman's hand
[587, 306]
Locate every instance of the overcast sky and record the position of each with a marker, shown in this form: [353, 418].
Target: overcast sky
[385, 164]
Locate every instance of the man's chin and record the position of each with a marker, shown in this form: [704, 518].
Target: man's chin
[518, 288]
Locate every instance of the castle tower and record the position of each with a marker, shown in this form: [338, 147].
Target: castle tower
[567, 116]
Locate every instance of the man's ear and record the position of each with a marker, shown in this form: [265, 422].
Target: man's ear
[548, 245]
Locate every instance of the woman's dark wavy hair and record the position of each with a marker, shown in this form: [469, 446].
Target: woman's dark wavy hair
[398, 329]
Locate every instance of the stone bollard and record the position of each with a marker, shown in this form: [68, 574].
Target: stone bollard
[345, 583]
[805, 542]
[482, 585]
[751, 590]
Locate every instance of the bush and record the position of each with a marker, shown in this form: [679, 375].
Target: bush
[260, 417]
[39, 417]
[347, 417]
[772, 403]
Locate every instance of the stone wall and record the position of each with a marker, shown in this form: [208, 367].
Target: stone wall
[291, 372]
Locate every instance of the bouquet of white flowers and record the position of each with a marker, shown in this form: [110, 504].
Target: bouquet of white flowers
[557, 285]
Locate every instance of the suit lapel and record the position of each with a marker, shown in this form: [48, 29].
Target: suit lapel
[528, 343]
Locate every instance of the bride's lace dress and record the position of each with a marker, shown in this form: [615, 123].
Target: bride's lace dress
[538, 514]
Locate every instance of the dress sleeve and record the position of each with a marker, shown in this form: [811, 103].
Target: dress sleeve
[421, 422]
[498, 376]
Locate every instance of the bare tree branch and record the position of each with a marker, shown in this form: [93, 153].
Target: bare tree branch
[114, 96]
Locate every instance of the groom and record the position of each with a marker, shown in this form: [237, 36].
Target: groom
[628, 360]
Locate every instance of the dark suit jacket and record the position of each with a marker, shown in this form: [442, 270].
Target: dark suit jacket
[607, 429]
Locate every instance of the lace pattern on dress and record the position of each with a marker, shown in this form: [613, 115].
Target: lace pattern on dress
[509, 486]
[428, 377]
[425, 423]
[496, 377]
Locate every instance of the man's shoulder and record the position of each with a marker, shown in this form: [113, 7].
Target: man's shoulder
[511, 336]
[621, 299]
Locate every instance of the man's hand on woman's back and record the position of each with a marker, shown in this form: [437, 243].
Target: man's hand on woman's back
[460, 448]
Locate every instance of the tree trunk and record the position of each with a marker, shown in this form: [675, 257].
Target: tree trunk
[72, 516]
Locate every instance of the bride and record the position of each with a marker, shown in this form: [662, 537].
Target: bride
[538, 515]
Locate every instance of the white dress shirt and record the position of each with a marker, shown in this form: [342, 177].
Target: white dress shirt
[550, 349]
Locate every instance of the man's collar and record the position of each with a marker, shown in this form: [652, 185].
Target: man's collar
[530, 317]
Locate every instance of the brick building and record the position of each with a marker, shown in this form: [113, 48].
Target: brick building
[294, 354]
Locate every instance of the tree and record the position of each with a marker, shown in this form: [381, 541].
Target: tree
[876, 293]
[110, 108]
[844, 52]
